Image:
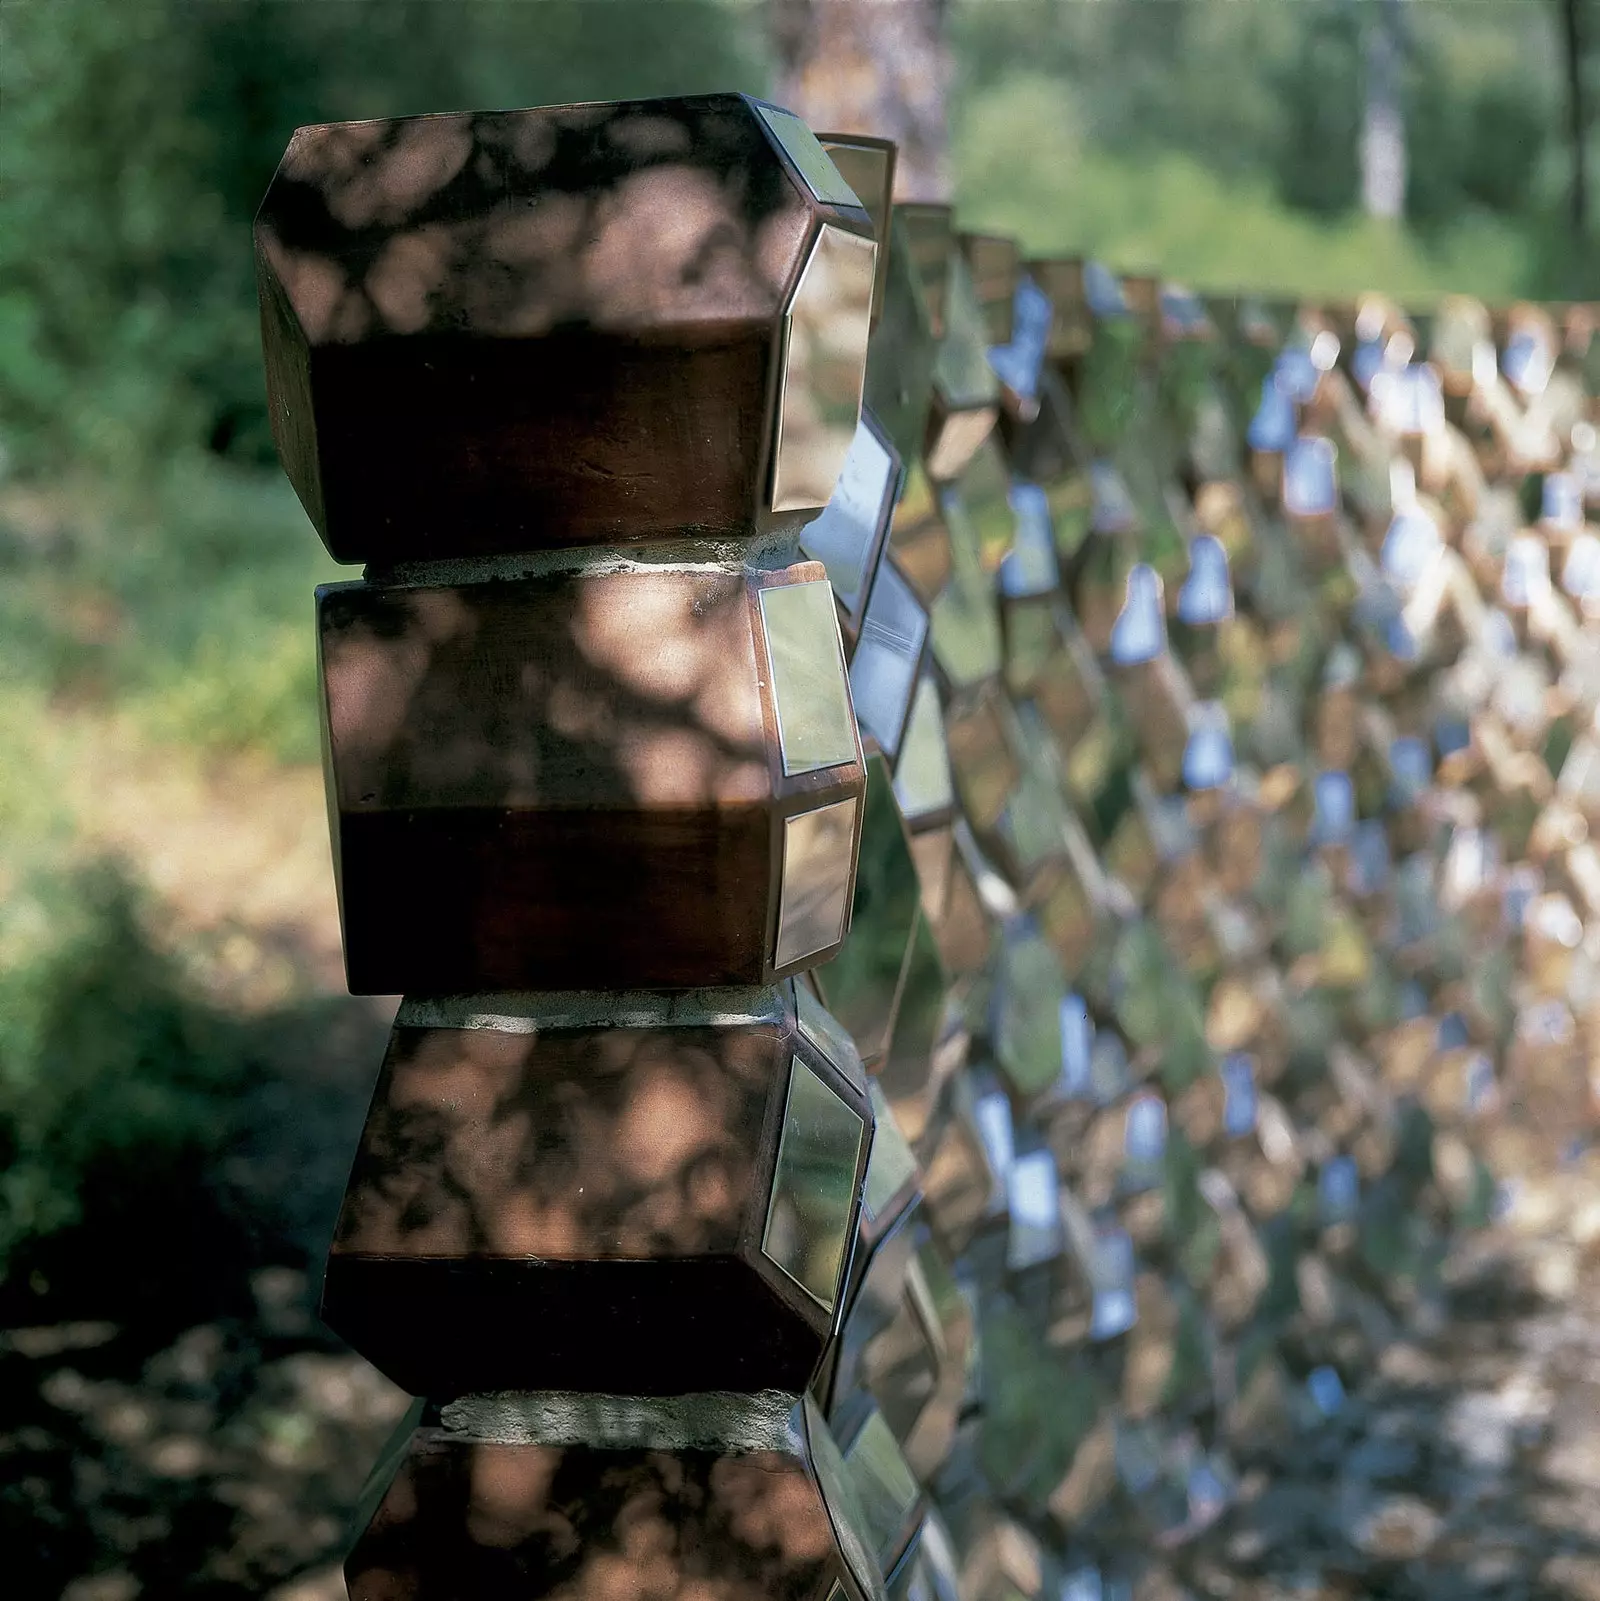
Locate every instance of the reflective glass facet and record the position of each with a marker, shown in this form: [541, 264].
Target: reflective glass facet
[1144, 1139]
[1207, 592]
[1239, 1105]
[1409, 401]
[1561, 501]
[888, 653]
[1528, 360]
[991, 1115]
[965, 621]
[985, 493]
[1460, 324]
[1411, 770]
[1297, 374]
[1334, 798]
[929, 236]
[1103, 291]
[1112, 509]
[1018, 362]
[922, 782]
[1083, 1584]
[919, 538]
[1310, 488]
[891, 1166]
[1369, 858]
[867, 166]
[885, 1487]
[1140, 631]
[1111, 1274]
[1580, 575]
[1029, 990]
[992, 261]
[861, 984]
[811, 161]
[936, 1575]
[845, 536]
[813, 1185]
[1077, 1044]
[900, 363]
[985, 763]
[845, 1510]
[828, 1034]
[959, 438]
[1208, 755]
[1033, 1198]
[1036, 821]
[812, 904]
[824, 367]
[1272, 427]
[1478, 1083]
[908, 1069]
[1029, 567]
[1326, 1390]
[1338, 1190]
[961, 371]
[1525, 577]
[815, 726]
[1411, 546]
[1183, 314]
[933, 850]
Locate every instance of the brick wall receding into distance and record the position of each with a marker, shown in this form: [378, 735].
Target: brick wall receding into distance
[1211, 800]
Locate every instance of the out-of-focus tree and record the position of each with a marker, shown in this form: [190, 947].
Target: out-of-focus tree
[1315, 160]
[1574, 41]
[1383, 121]
[136, 141]
[1472, 147]
[872, 66]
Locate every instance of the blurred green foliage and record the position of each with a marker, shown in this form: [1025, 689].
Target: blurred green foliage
[1219, 143]
[183, 594]
[116, 1080]
[168, 569]
[1168, 212]
[137, 140]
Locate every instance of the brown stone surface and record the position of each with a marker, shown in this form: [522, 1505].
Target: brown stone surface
[559, 783]
[470, 1522]
[508, 331]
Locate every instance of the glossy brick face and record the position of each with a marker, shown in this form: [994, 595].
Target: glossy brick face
[479, 1521]
[512, 331]
[583, 781]
[652, 1208]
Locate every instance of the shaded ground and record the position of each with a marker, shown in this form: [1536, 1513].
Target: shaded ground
[1468, 1468]
[188, 1428]
[173, 1419]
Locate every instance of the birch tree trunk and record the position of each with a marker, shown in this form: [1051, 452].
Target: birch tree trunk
[1383, 128]
[871, 66]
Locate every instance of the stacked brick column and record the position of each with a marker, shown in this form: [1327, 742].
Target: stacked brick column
[571, 383]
